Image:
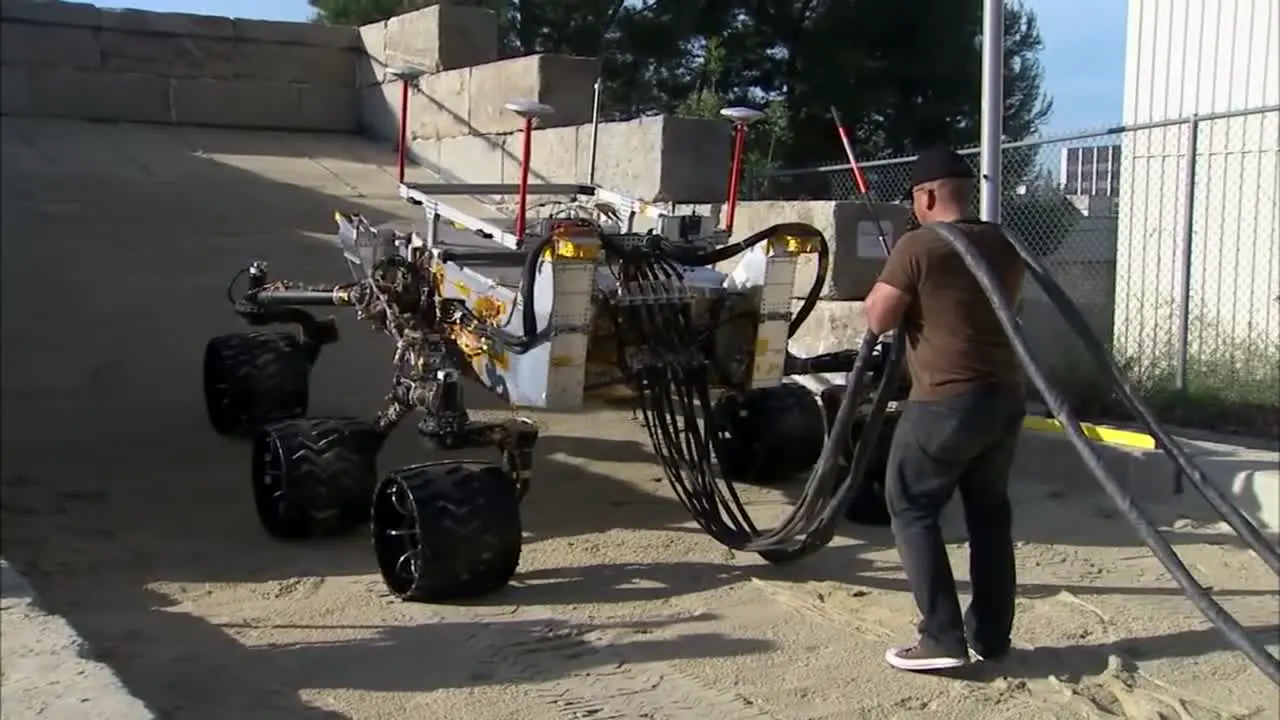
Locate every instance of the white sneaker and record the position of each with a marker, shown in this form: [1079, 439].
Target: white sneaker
[918, 658]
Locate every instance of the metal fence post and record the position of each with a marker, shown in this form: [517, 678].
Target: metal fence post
[595, 131]
[1184, 256]
[992, 113]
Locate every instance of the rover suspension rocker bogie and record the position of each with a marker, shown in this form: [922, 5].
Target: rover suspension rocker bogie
[584, 296]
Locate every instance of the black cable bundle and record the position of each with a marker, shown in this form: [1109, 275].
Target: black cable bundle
[662, 361]
[1150, 534]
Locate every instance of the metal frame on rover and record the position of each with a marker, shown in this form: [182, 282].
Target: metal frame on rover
[537, 343]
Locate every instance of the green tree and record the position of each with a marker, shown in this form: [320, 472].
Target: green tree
[903, 74]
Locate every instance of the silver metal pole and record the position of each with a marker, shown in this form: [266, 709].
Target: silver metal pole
[1184, 255]
[992, 106]
[595, 132]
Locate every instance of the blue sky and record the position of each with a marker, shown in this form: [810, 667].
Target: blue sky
[1083, 56]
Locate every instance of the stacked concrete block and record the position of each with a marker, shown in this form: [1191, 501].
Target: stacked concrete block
[471, 100]
[460, 130]
[657, 159]
[852, 231]
[444, 36]
[561, 81]
[78, 61]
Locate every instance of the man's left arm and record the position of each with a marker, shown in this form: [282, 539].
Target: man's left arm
[896, 287]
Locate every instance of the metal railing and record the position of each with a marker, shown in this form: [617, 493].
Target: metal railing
[1166, 233]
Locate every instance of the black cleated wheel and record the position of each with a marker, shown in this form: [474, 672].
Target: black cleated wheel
[251, 379]
[446, 530]
[868, 505]
[314, 476]
[768, 436]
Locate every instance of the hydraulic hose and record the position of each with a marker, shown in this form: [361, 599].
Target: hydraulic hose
[675, 400]
[672, 392]
[1248, 532]
[686, 256]
[1235, 633]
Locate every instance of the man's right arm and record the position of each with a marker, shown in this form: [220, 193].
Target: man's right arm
[897, 285]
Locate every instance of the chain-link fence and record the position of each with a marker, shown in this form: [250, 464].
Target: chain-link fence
[1166, 234]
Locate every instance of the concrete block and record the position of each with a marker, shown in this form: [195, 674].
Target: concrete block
[56, 13]
[379, 118]
[554, 152]
[1247, 473]
[628, 156]
[471, 159]
[168, 55]
[661, 158]
[851, 232]
[425, 153]
[235, 103]
[65, 46]
[833, 325]
[695, 160]
[754, 216]
[1049, 458]
[566, 83]
[371, 55]
[632, 157]
[1248, 477]
[294, 63]
[87, 95]
[181, 24]
[294, 33]
[438, 105]
[15, 97]
[327, 108]
[442, 37]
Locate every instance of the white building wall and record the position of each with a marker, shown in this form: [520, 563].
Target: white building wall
[1197, 57]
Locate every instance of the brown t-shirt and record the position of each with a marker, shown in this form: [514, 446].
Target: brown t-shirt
[954, 340]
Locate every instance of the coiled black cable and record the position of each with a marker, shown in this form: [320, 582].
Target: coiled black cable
[1077, 322]
[674, 393]
[1164, 552]
[689, 256]
[675, 403]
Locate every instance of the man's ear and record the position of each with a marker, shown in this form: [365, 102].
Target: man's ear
[930, 199]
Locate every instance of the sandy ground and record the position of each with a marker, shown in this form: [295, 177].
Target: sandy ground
[134, 520]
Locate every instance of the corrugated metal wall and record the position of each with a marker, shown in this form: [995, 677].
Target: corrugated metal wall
[1185, 58]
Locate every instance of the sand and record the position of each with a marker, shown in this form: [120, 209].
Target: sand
[134, 521]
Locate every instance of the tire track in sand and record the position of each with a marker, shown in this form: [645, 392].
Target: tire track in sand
[584, 674]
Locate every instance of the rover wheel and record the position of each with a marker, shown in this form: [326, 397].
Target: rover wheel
[770, 435]
[446, 530]
[314, 476]
[251, 379]
[811, 545]
[868, 505]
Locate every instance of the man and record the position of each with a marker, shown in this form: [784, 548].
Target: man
[961, 421]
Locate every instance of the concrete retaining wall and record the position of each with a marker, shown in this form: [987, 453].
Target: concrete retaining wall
[648, 158]
[460, 130]
[78, 61]
[73, 60]
[1249, 477]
